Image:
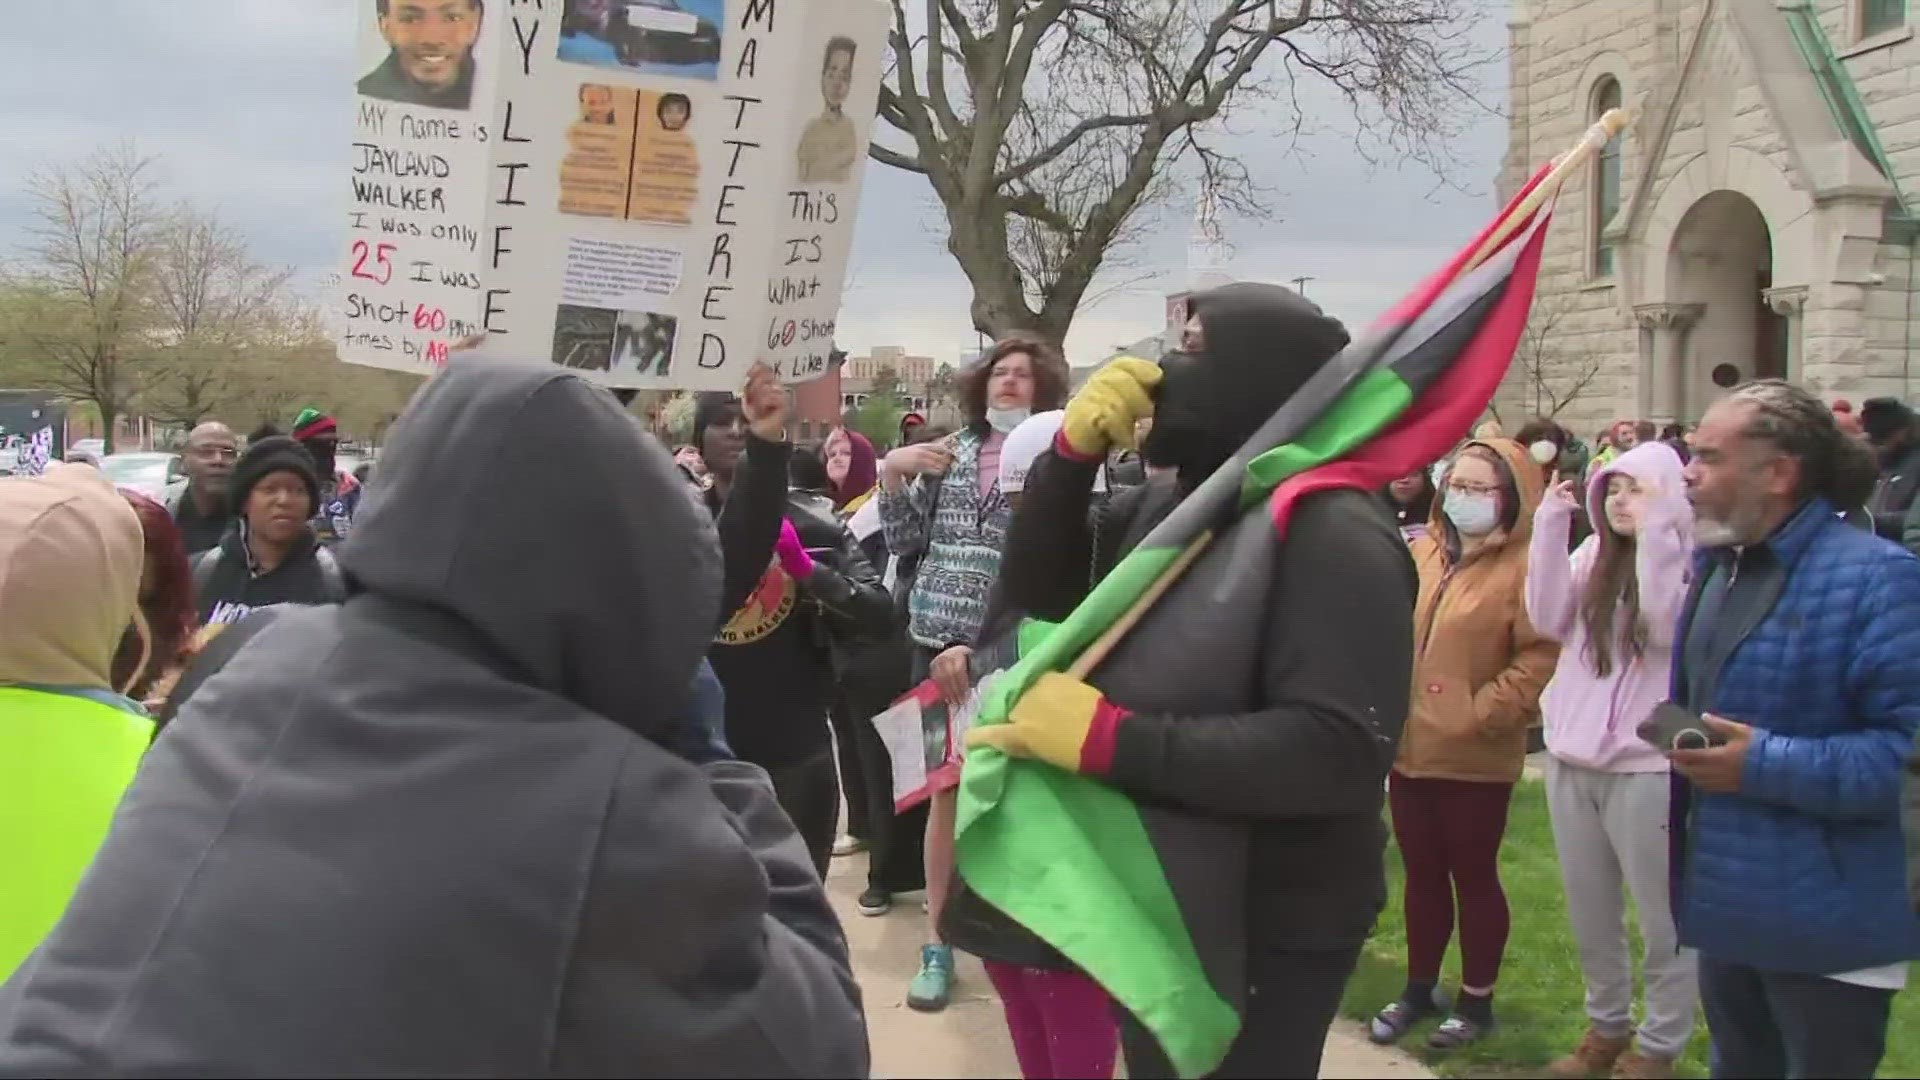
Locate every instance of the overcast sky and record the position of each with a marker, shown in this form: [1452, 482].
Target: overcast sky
[246, 104]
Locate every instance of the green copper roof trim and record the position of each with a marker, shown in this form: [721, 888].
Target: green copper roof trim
[1843, 101]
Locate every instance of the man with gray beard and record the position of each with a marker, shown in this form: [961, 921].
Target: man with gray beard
[1799, 650]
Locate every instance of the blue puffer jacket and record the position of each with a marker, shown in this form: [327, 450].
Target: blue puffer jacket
[1803, 869]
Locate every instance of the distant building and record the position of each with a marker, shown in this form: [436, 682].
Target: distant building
[816, 403]
[1147, 348]
[917, 377]
[912, 370]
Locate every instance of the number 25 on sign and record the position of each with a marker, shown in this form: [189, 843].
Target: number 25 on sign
[380, 253]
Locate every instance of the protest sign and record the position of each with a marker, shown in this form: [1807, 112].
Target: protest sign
[926, 736]
[656, 193]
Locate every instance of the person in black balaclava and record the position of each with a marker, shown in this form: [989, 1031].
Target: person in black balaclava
[1255, 710]
[1216, 393]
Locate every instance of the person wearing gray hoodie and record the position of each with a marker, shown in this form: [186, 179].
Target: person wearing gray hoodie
[441, 829]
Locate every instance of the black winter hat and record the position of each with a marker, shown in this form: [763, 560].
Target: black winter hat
[275, 453]
[709, 407]
[1883, 417]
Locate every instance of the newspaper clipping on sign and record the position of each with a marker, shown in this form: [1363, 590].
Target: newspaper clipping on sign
[655, 193]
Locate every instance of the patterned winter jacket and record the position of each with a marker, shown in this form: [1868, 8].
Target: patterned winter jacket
[959, 537]
[1803, 869]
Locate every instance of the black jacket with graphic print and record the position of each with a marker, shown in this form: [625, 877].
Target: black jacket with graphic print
[772, 655]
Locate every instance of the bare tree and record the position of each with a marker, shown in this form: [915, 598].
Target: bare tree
[1044, 125]
[91, 249]
[214, 307]
[1552, 367]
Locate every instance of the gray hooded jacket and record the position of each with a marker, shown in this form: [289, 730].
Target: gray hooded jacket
[434, 831]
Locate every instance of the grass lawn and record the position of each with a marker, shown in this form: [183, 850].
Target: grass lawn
[1539, 1003]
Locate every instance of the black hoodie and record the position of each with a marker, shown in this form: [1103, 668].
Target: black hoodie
[226, 587]
[433, 831]
[1263, 342]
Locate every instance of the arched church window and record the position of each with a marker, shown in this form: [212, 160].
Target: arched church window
[1604, 192]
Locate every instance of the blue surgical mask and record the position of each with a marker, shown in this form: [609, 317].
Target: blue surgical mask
[1471, 514]
[1005, 420]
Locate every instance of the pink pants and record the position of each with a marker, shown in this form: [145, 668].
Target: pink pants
[1062, 1023]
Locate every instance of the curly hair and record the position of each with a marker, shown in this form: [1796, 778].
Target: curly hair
[1050, 376]
[166, 601]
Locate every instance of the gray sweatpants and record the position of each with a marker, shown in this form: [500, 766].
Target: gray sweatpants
[1610, 830]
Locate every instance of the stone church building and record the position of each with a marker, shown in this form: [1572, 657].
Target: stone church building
[1750, 223]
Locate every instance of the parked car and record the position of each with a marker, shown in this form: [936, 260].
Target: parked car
[148, 473]
[663, 32]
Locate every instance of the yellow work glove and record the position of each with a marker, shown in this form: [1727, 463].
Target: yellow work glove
[1061, 721]
[1102, 415]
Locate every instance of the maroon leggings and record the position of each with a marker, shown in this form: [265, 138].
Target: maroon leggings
[1449, 833]
[1063, 1024]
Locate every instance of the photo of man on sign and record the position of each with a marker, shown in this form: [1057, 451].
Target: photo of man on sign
[430, 52]
[829, 146]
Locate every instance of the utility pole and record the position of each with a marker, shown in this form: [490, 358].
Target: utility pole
[1300, 284]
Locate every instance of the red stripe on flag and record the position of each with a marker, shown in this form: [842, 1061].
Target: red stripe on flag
[1439, 418]
[1427, 291]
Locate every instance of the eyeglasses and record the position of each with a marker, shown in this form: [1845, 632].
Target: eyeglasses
[1465, 488]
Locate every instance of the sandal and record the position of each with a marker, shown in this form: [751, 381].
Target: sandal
[1457, 1031]
[1392, 1023]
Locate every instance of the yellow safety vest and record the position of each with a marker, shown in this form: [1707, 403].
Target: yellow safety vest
[64, 763]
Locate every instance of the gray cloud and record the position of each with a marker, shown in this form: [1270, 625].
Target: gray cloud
[247, 106]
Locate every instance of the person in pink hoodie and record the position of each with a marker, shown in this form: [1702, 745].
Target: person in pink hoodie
[1613, 605]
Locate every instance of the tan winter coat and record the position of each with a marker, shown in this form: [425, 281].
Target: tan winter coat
[1478, 665]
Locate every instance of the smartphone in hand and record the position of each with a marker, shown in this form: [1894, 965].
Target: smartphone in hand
[1670, 727]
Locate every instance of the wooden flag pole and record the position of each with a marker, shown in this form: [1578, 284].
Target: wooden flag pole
[1091, 657]
[1597, 136]
[1612, 123]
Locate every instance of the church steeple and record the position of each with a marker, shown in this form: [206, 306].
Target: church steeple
[1207, 251]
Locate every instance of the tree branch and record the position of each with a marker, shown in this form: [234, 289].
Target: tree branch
[950, 125]
[1060, 146]
[894, 158]
[1082, 111]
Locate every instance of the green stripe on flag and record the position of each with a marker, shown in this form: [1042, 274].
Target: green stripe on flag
[1370, 404]
[1070, 859]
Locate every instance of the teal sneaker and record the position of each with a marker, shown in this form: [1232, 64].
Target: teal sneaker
[933, 987]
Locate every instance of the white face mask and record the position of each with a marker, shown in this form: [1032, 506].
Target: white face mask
[1005, 420]
[1472, 515]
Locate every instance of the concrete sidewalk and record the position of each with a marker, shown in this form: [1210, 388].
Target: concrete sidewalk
[969, 1039]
